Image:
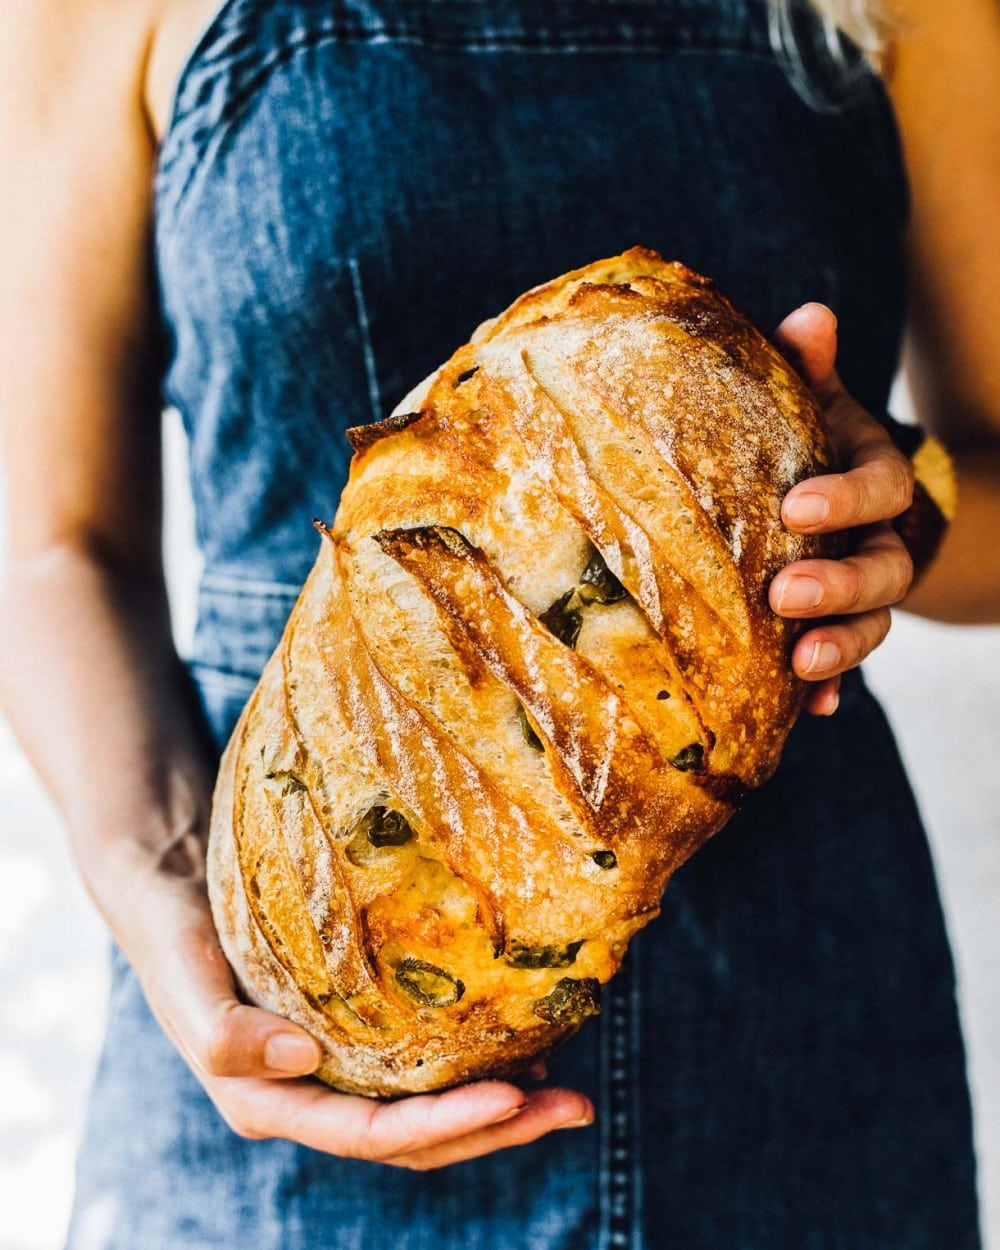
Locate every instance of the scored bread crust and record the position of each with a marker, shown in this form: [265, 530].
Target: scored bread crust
[532, 670]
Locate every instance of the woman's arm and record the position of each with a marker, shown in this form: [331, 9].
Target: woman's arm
[89, 678]
[945, 84]
[85, 639]
[944, 80]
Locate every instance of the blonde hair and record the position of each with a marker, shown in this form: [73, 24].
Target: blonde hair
[808, 38]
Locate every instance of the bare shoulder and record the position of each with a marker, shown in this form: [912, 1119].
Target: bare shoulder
[955, 44]
[943, 74]
[62, 50]
[77, 303]
[57, 49]
[176, 27]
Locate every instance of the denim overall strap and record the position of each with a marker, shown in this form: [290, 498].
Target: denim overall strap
[347, 189]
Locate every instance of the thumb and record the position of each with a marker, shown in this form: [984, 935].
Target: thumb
[808, 338]
[193, 994]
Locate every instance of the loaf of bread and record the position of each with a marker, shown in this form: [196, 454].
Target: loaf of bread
[532, 670]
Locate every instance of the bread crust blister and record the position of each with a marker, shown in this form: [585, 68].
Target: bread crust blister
[532, 670]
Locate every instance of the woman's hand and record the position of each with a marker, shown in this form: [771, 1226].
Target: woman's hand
[254, 1065]
[877, 485]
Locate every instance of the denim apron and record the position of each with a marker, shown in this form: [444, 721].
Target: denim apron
[346, 188]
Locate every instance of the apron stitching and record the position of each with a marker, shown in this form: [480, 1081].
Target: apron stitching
[247, 587]
[620, 1187]
[636, 1103]
[604, 1124]
[366, 342]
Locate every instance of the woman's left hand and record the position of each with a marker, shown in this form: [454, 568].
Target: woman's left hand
[877, 485]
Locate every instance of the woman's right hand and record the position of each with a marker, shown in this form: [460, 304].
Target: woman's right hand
[255, 1066]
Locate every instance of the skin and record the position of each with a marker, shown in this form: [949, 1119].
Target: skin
[90, 680]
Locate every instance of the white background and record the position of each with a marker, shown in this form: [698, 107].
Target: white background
[941, 687]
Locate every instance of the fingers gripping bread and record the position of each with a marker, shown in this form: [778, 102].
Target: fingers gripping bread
[532, 670]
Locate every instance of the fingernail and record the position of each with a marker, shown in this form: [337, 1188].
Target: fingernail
[834, 703]
[826, 308]
[807, 508]
[797, 593]
[581, 1123]
[508, 1114]
[825, 655]
[290, 1052]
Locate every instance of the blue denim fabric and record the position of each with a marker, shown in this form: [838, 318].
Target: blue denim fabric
[346, 188]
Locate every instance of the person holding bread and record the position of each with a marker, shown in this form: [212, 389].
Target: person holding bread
[279, 215]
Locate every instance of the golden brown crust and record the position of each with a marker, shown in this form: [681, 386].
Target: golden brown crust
[532, 670]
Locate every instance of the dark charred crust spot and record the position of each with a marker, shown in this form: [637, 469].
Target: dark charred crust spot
[588, 290]
[363, 436]
[708, 319]
[726, 787]
[466, 374]
[397, 543]
[663, 694]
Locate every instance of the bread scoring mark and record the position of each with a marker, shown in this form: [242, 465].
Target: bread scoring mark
[453, 573]
[557, 460]
[248, 920]
[486, 838]
[614, 767]
[275, 898]
[333, 904]
[434, 664]
[629, 554]
[550, 299]
[544, 432]
[230, 885]
[649, 490]
[411, 758]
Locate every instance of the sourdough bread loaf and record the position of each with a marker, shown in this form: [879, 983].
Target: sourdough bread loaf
[532, 670]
